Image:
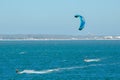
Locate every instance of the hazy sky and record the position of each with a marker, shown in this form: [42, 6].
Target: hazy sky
[57, 17]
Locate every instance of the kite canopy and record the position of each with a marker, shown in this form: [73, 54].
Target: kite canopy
[82, 21]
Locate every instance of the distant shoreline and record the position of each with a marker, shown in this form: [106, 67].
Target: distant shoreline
[39, 37]
[55, 39]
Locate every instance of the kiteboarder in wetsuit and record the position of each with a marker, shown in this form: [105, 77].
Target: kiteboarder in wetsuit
[17, 71]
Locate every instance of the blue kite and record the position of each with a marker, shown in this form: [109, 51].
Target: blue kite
[82, 21]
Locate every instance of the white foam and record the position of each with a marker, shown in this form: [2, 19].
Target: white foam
[69, 68]
[49, 70]
[57, 69]
[91, 60]
[38, 72]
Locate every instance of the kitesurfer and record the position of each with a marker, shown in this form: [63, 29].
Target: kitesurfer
[17, 71]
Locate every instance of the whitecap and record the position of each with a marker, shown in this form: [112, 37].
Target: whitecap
[48, 70]
[38, 72]
[26, 71]
[92, 60]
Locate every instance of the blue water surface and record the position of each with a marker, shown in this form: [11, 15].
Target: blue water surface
[60, 60]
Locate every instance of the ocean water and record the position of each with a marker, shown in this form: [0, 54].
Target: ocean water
[60, 60]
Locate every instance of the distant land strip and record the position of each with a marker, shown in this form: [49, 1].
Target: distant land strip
[57, 37]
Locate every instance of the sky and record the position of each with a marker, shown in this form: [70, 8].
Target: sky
[57, 17]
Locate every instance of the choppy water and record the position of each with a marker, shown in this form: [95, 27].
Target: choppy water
[60, 60]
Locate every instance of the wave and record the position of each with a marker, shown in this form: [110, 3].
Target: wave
[49, 70]
[92, 60]
[26, 71]
[37, 72]
[57, 69]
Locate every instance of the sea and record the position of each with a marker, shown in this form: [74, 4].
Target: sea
[60, 60]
